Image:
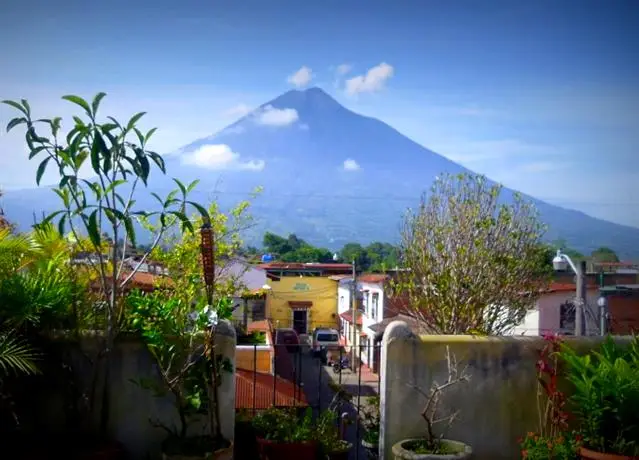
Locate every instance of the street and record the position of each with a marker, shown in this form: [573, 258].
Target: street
[318, 380]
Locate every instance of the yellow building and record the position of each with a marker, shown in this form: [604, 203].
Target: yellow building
[302, 296]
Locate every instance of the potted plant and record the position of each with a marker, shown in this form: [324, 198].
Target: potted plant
[431, 446]
[553, 440]
[605, 399]
[284, 434]
[329, 434]
[181, 340]
[370, 420]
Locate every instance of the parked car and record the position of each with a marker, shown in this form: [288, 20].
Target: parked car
[288, 337]
[324, 339]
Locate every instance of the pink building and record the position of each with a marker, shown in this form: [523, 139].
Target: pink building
[554, 312]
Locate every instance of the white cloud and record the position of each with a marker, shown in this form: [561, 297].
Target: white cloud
[238, 111]
[351, 165]
[374, 80]
[343, 69]
[301, 78]
[272, 116]
[220, 156]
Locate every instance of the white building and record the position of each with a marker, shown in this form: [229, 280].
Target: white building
[373, 307]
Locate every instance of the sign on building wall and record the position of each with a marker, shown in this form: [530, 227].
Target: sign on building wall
[301, 287]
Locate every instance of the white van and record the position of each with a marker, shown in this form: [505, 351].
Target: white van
[324, 337]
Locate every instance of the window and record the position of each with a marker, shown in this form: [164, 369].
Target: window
[327, 337]
[375, 305]
[341, 301]
[366, 305]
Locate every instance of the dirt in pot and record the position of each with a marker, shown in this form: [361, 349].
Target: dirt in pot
[421, 446]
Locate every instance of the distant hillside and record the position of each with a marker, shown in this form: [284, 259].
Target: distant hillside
[302, 139]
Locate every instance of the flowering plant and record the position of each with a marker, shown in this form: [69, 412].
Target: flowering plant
[535, 447]
[551, 441]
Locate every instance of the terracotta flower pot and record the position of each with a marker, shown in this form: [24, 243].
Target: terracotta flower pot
[270, 450]
[225, 453]
[342, 454]
[588, 454]
[462, 451]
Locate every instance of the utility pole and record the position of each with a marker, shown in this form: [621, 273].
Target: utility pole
[581, 298]
[354, 315]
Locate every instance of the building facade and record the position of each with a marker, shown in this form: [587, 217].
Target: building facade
[302, 296]
[372, 309]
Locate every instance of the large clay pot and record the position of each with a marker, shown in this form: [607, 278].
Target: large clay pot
[462, 451]
[372, 449]
[341, 454]
[270, 450]
[588, 454]
[102, 451]
[225, 453]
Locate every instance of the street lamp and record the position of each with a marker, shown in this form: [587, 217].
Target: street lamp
[560, 262]
[602, 303]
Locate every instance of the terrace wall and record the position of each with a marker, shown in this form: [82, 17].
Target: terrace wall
[496, 407]
[132, 408]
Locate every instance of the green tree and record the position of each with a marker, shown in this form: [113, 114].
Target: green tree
[355, 252]
[604, 255]
[121, 164]
[474, 265]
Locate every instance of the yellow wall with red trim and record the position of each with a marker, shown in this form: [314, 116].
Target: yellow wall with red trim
[320, 290]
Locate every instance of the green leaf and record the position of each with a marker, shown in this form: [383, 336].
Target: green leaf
[25, 104]
[52, 216]
[145, 169]
[130, 230]
[36, 150]
[181, 185]
[15, 122]
[149, 134]
[186, 224]
[61, 223]
[157, 197]
[201, 209]
[192, 185]
[64, 196]
[158, 161]
[41, 169]
[78, 121]
[93, 229]
[134, 119]
[96, 102]
[55, 125]
[138, 133]
[113, 185]
[80, 158]
[98, 147]
[15, 105]
[81, 102]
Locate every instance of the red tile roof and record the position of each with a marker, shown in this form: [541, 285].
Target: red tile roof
[259, 326]
[566, 287]
[255, 391]
[303, 266]
[348, 316]
[373, 278]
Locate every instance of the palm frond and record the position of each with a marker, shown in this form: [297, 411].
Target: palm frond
[16, 355]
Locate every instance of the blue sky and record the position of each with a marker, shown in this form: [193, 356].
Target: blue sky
[541, 95]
